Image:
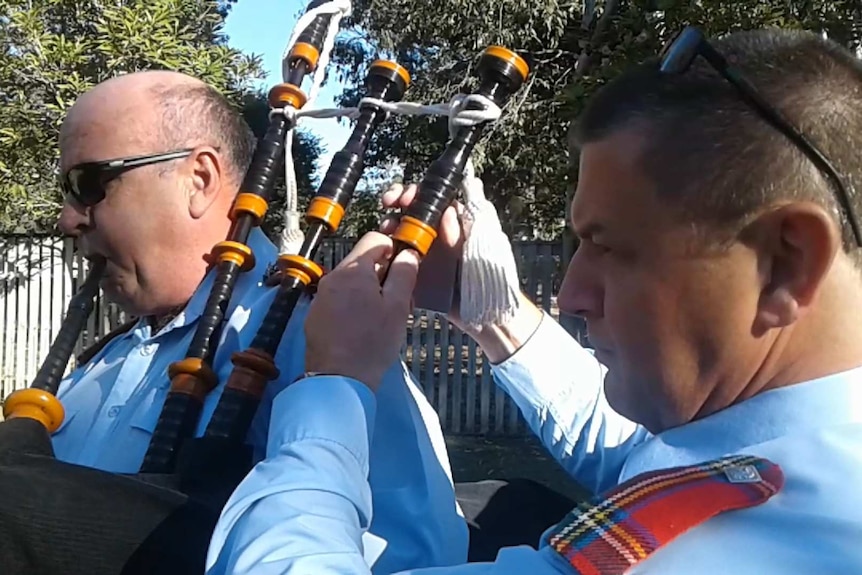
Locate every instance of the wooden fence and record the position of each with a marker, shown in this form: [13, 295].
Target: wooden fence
[38, 275]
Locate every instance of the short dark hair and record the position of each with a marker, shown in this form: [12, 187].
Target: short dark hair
[199, 114]
[714, 157]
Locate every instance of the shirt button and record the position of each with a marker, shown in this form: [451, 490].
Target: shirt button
[114, 411]
[148, 349]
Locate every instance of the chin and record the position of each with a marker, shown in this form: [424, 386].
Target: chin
[613, 394]
[621, 399]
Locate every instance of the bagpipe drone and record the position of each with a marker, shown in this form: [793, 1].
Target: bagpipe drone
[57, 517]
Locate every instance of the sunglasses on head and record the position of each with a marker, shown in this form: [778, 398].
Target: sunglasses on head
[678, 56]
[85, 183]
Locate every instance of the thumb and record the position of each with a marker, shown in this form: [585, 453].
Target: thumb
[401, 279]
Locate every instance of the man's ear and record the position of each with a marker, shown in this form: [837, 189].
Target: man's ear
[796, 246]
[206, 175]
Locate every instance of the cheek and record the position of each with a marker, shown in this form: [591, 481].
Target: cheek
[134, 222]
[654, 360]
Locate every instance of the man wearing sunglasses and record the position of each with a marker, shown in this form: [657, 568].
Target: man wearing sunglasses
[718, 418]
[150, 166]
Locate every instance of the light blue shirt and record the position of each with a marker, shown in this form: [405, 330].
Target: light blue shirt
[813, 430]
[113, 403]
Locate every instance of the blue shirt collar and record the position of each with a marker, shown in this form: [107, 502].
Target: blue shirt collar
[795, 409]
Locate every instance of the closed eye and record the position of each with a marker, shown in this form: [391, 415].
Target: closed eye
[593, 247]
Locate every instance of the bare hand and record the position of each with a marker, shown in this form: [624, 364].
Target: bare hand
[355, 327]
[436, 284]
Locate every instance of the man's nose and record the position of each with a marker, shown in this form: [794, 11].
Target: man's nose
[581, 292]
[73, 219]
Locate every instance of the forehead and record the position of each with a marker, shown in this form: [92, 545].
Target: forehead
[614, 192]
[97, 130]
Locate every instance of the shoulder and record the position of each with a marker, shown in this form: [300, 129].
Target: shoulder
[812, 525]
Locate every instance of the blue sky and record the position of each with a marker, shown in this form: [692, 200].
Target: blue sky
[263, 27]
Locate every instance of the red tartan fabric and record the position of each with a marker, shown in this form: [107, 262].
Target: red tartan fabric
[620, 528]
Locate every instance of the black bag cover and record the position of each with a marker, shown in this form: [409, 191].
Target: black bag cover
[56, 517]
[508, 512]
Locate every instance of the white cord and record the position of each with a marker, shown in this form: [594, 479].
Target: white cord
[489, 275]
[292, 236]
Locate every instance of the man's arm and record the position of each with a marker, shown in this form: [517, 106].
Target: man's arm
[416, 518]
[307, 507]
[304, 509]
[559, 387]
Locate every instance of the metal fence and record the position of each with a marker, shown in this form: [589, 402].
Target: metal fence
[38, 275]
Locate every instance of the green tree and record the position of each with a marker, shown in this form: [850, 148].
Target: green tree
[572, 47]
[53, 50]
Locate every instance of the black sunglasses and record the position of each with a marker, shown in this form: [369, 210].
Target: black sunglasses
[678, 55]
[85, 183]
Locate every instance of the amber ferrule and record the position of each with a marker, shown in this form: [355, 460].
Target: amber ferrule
[300, 268]
[508, 56]
[186, 384]
[252, 204]
[236, 252]
[192, 376]
[307, 53]
[253, 369]
[395, 67]
[416, 234]
[326, 211]
[288, 94]
[36, 404]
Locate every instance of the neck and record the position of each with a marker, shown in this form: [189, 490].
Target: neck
[159, 321]
[826, 341]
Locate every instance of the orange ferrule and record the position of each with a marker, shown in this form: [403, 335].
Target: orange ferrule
[327, 211]
[397, 68]
[300, 268]
[247, 203]
[416, 234]
[307, 53]
[505, 54]
[195, 368]
[186, 384]
[36, 404]
[289, 94]
[236, 252]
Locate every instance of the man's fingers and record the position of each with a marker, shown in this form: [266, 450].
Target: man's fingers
[408, 195]
[373, 248]
[399, 284]
[399, 195]
[390, 197]
[449, 232]
[389, 224]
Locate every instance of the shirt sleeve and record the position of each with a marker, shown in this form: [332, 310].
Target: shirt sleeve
[305, 508]
[559, 387]
[417, 521]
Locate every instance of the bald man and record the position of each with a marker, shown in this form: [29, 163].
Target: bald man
[150, 165]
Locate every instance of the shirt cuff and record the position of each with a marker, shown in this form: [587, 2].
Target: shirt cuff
[539, 369]
[324, 407]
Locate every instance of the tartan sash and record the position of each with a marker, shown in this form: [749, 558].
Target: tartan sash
[620, 528]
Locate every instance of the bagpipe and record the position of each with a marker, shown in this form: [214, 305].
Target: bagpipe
[57, 517]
